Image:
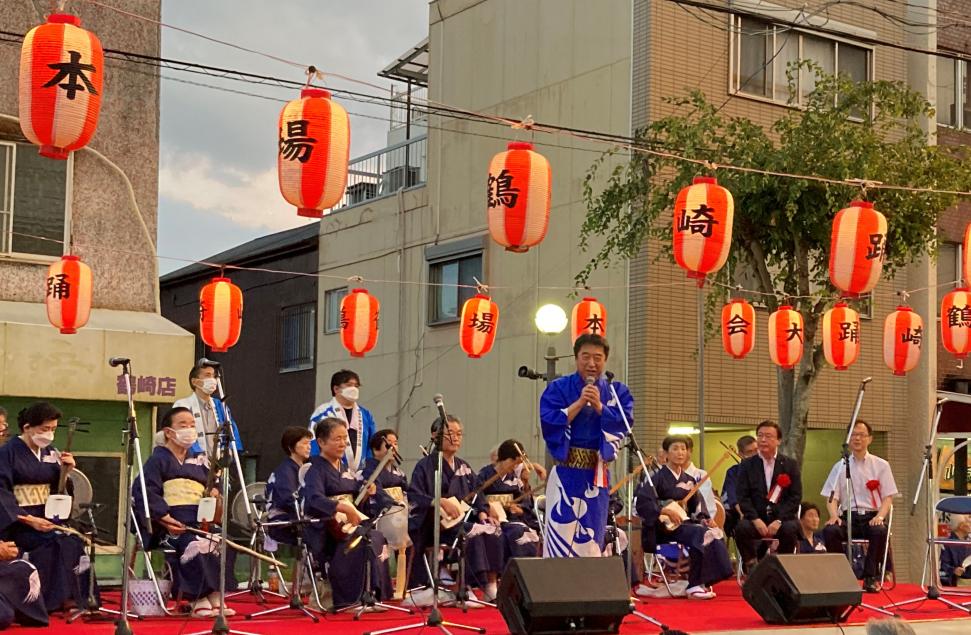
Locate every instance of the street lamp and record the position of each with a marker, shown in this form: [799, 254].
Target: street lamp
[551, 320]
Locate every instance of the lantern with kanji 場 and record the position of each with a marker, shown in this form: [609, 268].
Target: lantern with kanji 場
[841, 335]
[359, 322]
[903, 333]
[61, 76]
[589, 316]
[477, 331]
[858, 247]
[703, 216]
[956, 322]
[68, 298]
[519, 197]
[220, 314]
[314, 145]
[738, 328]
[785, 337]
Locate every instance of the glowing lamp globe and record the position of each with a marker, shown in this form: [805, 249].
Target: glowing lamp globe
[550, 319]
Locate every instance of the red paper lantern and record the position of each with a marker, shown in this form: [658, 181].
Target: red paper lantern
[786, 337]
[738, 328]
[857, 249]
[315, 141]
[68, 299]
[61, 75]
[841, 336]
[480, 320]
[703, 216]
[589, 316]
[520, 186]
[903, 333]
[220, 314]
[956, 322]
[966, 256]
[359, 322]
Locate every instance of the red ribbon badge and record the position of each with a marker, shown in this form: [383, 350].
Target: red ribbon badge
[781, 482]
[874, 486]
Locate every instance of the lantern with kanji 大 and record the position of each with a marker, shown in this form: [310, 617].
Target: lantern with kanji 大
[785, 337]
[903, 333]
[220, 314]
[703, 216]
[68, 299]
[738, 328]
[589, 316]
[480, 320]
[841, 335]
[519, 197]
[314, 145]
[858, 247]
[966, 256]
[956, 322]
[61, 76]
[359, 322]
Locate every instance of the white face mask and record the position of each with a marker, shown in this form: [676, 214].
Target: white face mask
[208, 385]
[351, 393]
[42, 439]
[185, 437]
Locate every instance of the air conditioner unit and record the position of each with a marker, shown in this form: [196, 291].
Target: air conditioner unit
[360, 192]
[396, 178]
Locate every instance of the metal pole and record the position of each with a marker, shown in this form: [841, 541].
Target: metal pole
[701, 377]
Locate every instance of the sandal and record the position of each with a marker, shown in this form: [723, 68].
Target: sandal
[201, 608]
[214, 603]
[700, 593]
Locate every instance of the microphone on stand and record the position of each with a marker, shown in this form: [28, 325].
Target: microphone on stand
[208, 362]
[118, 361]
[609, 375]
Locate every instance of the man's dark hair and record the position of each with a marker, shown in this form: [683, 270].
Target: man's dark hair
[326, 426]
[591, 339]
[168, 416]
[671, 439]
[743, 442]
[197, 370]
[507, 450]
[806, 506]
[380, 438]
[869, 428]
[36, 414]
[769, 423]
[342, 377]
[292, 435]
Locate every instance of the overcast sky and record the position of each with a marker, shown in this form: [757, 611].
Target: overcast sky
[217, 183]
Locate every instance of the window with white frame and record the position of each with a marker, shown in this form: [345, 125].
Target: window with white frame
[34, 202]
[332, 309]
[953, 93]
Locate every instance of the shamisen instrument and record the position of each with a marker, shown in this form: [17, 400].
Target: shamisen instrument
[58, 505]
[677, 508]
[236, 546]
[339, 527]
[463, 504]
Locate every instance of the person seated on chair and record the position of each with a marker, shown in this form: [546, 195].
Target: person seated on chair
[810, 540]
[664, 520]
[954, 571]
[20, 593]
[507, 502]
[746, 447]
[769, 490]
[392, 480]
[873, 489]
[329, 490]
[285, 481]
[707, 493]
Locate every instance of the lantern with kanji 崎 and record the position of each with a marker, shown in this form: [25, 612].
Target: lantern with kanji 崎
[785, 337]
[589, 316]
[956, 322]
[68, 299]
[61, 75]
[841, 335]
[220, 314]
[858, 247]
[359, 322]
[519, 197]
[480, 319]
[314, 145]
[703, 216]
[738, 328]
[903, 333]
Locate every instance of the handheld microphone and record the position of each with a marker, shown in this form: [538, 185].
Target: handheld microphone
[590, 381]
[118, 361]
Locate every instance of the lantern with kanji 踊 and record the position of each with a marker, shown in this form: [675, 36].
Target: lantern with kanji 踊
[359, 322]
[589, 316]
[314, 145]
[858, 247]
[519, 197]
[785, 337]
[220, 314]
[956, 322]
[903, 333]
[477, 331]
[703, 216]
[61, 76]
[841, 335]
[68, 299]
[738, 328]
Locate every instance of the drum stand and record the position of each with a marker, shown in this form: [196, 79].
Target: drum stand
[93, 609]
[255, 586]
[300, 562]
[361, 539]
[462, 596]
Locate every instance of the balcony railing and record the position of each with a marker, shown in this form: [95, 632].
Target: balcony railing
[386, 171]
[399, 106]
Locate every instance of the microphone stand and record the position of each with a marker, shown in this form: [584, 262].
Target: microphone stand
[234, 453]
[93, 608]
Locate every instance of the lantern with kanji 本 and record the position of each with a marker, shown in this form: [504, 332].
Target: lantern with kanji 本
[903, 333]
[703, 216]
[785, 337]
[519, 197]
[359, 322]
[68, 298]
[314, 146]
[220, 314]
[858, 247]
[738, 328]
[589, 316]
[477, 331]
[956, 322]
[61, 76]
[841, 335]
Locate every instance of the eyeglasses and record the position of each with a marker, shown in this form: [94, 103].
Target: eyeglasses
[766, 437]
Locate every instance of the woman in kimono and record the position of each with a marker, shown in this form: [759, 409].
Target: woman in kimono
[517, 518]
[30, 469]
[285, 481]
[20, 597]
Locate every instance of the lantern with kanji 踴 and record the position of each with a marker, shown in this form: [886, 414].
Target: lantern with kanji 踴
[841, 335]
[703, 216]
[956, 322]
[738, 328]
[220, 314]
[858, 247]
[68, 298]
[589, 316]
[519, 197]
[785, 337]
[903, 333]
[359, 322]
[480, 320]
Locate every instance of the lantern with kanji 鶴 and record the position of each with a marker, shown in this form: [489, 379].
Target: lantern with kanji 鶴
[903, 333]
[61, 75]
[314, 145]
[956, 322]
[703, 216]
[480, 319]
[359, 322]
[68, 299]
[841, 335]
[785, 337]
[738, 328]
[966, 256]
[858, 247]
[220, 314]
[519, 197]
[589, 316]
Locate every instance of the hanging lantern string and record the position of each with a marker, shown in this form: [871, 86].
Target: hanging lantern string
[479, 287]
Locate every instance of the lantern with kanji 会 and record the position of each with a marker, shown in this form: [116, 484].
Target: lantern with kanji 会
[841, 335]
[956, 322]
[703, 216]
[903, 334]
[858, 247]
[786, 337]
[738, 328]
[589, 316]
[480, 320]
[359, 322]
[314, 146]
[220, 314]
[520, 186]
[68, 297]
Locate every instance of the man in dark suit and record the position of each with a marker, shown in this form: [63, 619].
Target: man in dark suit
[769, 490]
[746, 447]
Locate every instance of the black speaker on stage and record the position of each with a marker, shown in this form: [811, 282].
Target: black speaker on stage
[802, 588]
[564, 595]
